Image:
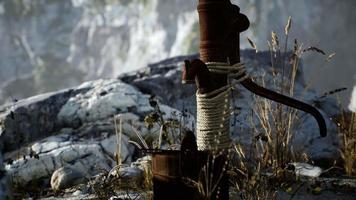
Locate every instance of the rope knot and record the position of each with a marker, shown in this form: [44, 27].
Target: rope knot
[236, 71]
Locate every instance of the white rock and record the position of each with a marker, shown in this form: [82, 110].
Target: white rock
[130, 173]
[86, 158]
[66, 177]
[111, 146]
[51, 143]
[129, 120]
[304, 169]
[104, 99]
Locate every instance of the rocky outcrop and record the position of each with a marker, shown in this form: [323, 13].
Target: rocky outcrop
[31, 119]
[50, 154]
[76, 129]
[163, 79]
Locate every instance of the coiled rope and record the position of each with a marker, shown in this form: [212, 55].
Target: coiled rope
[214, 109]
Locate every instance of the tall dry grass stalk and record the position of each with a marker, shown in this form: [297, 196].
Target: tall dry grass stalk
[273, 135]
[349, 153]
[118, 132]
[272, 143]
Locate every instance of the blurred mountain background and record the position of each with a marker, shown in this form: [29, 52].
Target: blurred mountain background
[47, 45]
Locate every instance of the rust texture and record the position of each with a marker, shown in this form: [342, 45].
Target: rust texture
[175, 174]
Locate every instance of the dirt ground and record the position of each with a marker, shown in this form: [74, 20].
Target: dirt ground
[304, 194]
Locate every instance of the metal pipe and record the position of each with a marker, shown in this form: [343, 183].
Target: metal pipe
[274, 96]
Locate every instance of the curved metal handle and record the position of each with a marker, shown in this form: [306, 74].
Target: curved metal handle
[274, 96]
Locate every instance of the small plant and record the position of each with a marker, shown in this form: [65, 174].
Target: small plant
[167, 127]
[248, 179]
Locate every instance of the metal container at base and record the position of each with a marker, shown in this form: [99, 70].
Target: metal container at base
[176, 175]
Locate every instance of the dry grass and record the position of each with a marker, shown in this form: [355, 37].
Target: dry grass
[106, 186]
[271, 149]
[347, 128]
[248, 179]
[273, 134]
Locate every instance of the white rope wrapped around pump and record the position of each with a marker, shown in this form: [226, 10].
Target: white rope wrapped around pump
[214, 109]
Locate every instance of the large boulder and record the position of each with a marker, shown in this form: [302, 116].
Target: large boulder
[87, 109]
[88, 157]
[33, 118]
[77, 129]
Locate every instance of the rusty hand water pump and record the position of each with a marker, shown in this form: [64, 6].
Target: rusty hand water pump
[220, 25]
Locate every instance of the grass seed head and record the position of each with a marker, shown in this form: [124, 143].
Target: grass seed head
[275, 40]
[315, 49]
[330, 57]
[288, 26]
[253, 45]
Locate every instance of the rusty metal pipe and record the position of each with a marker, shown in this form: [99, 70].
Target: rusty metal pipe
[274, 96]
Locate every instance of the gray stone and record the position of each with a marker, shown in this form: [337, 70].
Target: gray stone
[145, 165]
[110, 145]
[305, 169]
[66, 177]
[131, 176]
[31, 119]
[86, 157]
[105, 99]
[161, 79]
[87, 109]
[86, 137]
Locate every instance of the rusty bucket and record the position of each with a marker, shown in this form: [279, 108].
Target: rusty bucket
[177, 174]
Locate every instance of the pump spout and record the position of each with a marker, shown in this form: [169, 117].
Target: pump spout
[274, 96]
